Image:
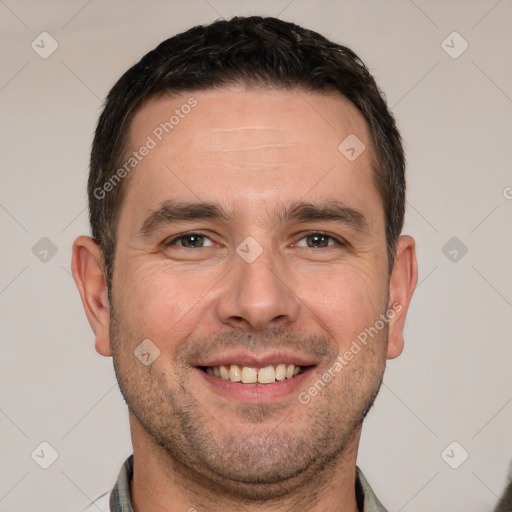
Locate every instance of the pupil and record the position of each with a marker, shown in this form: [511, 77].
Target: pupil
[193, 240]
[317, 239]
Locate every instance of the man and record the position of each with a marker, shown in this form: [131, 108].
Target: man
[246, 270]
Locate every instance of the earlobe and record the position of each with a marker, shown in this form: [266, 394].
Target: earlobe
[91, 282]
[404, 277]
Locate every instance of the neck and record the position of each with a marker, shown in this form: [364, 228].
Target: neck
[162, 483]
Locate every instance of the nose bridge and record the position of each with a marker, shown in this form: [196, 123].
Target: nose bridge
[257, 294]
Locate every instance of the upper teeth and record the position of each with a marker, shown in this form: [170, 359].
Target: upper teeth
[250, 375]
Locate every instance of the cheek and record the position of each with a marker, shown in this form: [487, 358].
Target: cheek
[162, 301]
[346, 300]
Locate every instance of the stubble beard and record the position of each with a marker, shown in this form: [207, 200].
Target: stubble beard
[252, 452]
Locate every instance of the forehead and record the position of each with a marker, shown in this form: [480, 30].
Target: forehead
[250, 146]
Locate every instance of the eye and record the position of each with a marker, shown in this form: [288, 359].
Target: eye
[189, 241]
[318, 240]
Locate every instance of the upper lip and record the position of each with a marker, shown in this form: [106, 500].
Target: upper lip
[244, 358]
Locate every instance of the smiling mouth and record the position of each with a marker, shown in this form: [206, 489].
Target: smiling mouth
[251, 375]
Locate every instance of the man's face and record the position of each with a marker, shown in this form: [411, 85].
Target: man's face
[298, 291]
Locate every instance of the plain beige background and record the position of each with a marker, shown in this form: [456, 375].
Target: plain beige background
[451, 384]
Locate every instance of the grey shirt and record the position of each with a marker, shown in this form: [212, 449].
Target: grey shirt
[120, 497]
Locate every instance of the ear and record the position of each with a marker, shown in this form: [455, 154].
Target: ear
[87, 269]
[404, 277]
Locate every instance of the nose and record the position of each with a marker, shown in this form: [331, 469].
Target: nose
[258, 295]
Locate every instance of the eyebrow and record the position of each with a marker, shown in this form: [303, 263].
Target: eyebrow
[174, 211]
[334, 211]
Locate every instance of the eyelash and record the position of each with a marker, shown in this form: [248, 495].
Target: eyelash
[169, 242]
[172, 241]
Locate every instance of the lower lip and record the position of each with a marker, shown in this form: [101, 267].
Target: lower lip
[252, 393]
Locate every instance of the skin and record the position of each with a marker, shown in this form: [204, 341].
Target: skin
[254, 151]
